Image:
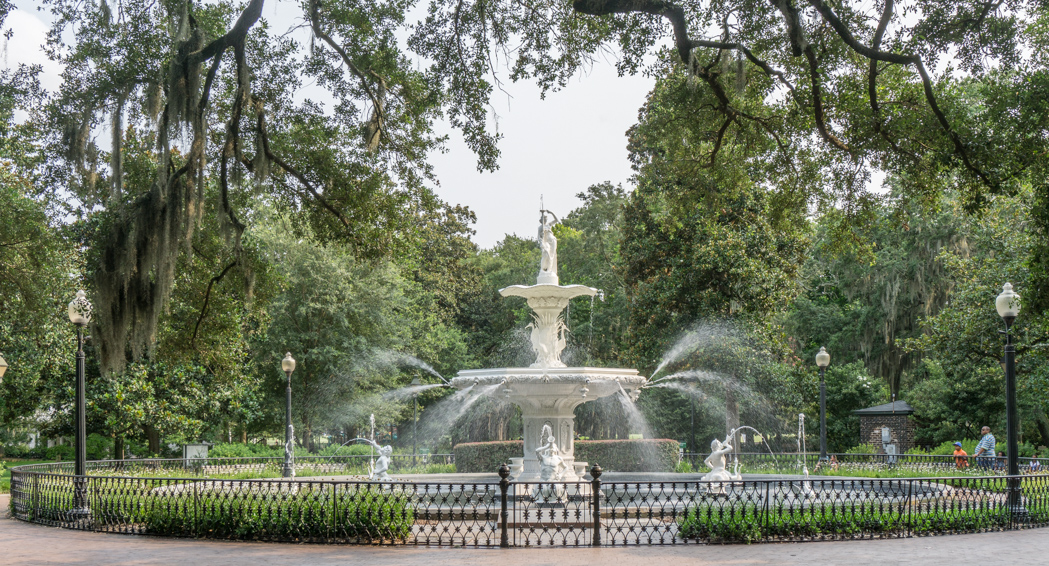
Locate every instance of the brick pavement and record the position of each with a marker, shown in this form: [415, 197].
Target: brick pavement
[24, 543]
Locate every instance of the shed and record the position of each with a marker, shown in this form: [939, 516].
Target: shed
[894, 416]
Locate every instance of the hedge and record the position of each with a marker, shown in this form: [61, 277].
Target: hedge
[613, 455]
[369, 514]
[726, 523]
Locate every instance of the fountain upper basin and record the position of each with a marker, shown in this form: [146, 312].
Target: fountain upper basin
[551, 383]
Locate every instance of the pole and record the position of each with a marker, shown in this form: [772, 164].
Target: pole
[415, 426]
[288, 470]
[1011, 422]
[823, 415]
[80, 447]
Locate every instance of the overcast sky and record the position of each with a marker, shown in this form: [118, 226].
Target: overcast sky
[555, 147]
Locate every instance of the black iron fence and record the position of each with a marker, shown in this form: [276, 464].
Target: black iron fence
[137, 497]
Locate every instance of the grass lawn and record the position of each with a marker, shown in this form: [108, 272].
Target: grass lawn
[5, 476]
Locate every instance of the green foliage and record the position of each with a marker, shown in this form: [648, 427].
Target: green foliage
[863, 304]
[849, 387]
[644, 455]
[60, 453]
[486, 457]
[960, 387]
[241, 450]
[355, 513]
[863, 449]
[752, 523]
[347, 450]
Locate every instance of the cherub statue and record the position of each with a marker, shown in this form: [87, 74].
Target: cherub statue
[551, 466]
[382, 465]
[717, 462]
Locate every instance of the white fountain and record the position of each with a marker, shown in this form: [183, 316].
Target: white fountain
[548, 391]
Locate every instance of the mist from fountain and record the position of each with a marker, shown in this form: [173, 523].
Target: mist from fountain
[691, 340]
[638, 424]
[406, 393]
[439, 418]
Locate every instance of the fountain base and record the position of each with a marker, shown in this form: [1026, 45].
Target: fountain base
[548, 397]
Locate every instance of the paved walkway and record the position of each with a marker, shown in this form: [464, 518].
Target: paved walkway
[24, 543]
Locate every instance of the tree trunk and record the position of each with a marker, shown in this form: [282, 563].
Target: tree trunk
[244, 434]
[153, 437]
[1043, 424]
[118, 447]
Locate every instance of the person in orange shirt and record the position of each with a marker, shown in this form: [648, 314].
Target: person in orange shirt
[961, 458]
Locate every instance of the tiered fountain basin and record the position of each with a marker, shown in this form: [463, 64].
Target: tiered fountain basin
[549, 396]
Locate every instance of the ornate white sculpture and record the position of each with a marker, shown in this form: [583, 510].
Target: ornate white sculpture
[289, 449]
[382, 466]
[547, 299]
[551, 465]
[548, 245]
[718, 463]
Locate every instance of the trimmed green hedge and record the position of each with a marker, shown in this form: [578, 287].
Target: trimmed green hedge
[714, 523]
[613, 455]
[368, 514]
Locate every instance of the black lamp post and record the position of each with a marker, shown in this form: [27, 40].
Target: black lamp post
[415, 419]
[823, 360]
[80, 315]
[288, 469]
[1008, 306]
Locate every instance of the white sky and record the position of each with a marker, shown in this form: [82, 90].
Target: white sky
[555, 147]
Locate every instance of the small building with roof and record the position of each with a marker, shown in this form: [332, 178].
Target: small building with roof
[888, 424]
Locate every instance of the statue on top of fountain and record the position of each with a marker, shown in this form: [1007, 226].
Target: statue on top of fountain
[547, 299]
[551, 465]
[548, 245]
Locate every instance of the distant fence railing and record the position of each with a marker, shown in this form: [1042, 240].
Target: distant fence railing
[356, 464]
[133, 497]
[757, 462]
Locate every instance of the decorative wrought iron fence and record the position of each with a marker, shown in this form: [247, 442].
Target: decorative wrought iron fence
[498, 512]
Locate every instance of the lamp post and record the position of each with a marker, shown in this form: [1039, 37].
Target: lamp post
[823, 360]
[80, 315]
[1008, 306]
[415, 419]
[288, 469]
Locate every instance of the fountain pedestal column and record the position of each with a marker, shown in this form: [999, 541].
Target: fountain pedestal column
[563, 427]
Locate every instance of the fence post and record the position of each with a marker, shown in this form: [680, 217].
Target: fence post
[595, 484]
[504, 487]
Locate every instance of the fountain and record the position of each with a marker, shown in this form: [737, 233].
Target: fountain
[549, 391]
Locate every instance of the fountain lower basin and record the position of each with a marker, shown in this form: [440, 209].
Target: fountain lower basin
[549, 396]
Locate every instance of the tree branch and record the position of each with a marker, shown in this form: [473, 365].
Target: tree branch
[291, 170]
[207, 299]
[843, 32]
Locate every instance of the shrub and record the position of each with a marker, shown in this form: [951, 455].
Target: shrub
[368, 513]
[99, 447]
[863, 449]
[750, 523]
[947, 448]
[346, 450]
[60, 453]
[486, 457]
[613, 455]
